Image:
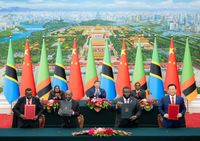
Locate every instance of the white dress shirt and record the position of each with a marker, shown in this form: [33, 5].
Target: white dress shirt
[126, 100]
[27, 101]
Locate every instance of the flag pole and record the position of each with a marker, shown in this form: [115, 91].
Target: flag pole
[11, 108]
[187, 107]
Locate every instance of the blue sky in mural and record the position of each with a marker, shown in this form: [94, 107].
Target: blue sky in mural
[102, 4]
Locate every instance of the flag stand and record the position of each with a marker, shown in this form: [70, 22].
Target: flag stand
[187, 107]
[10, 109]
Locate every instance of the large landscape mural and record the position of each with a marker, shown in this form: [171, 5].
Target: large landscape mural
[134, 21]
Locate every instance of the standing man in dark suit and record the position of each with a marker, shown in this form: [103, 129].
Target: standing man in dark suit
[96, 91]
[172, 98]
[135, 110]
[69, 111]
[138, 93]
[18, 110]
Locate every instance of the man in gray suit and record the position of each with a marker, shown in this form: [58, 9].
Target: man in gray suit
[69, 111]
[133, 106]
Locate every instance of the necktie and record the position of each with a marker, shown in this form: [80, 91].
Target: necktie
[172, 99]
[97, 93]
[126, 100]
[29, 101]
[137, 94]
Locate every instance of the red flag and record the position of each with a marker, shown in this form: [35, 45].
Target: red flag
[27, 80]
[75, 78]
[123, 78]
[172, 72]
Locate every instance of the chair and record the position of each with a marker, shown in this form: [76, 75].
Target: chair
[81, 120]
[160, 120]
[42, 121]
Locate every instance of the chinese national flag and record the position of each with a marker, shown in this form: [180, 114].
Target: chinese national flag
[75, 78]
[172, 72]
[123, 78]
[27, 80]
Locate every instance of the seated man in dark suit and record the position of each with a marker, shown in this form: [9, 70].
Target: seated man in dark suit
[18, 110]
[172, 98]
[69, 111]
[138, 93]
[96, 91]
[56, 94]
[135, 110]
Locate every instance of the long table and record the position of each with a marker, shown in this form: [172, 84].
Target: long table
[138, 134]
[104, 118]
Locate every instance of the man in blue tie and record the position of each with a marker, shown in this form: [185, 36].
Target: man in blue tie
[96, 91]
[172, 98]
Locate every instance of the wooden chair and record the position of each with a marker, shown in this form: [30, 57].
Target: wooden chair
[42, 121]
[159, 120]
[81, 120]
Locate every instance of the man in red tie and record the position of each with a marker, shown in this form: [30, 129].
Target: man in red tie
[18, 110]
[173, 99]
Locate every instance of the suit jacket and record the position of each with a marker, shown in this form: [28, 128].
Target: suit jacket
[70, 121]
[163, 109]
[19, 109]
[119, 122]
[140, 95]
[91, 92]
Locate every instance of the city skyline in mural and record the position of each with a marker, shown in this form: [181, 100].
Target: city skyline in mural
[108, 5]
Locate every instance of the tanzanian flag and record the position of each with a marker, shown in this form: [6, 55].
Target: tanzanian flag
[59, 72]
[43, 82]
[107, 78]
[11, 87]
[188, 85]
[155, 83]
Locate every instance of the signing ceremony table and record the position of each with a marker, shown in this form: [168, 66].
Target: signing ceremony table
[138, 134]
[104, 118]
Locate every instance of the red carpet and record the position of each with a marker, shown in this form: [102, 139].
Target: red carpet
[5, 121]
[192, 120]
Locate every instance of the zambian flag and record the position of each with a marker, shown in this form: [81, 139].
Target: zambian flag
[59, 72]
[155, 83]
[107, 78]
[11, 87]
[43, 81]
[139, 74]
[91, 73]
[188, 85]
